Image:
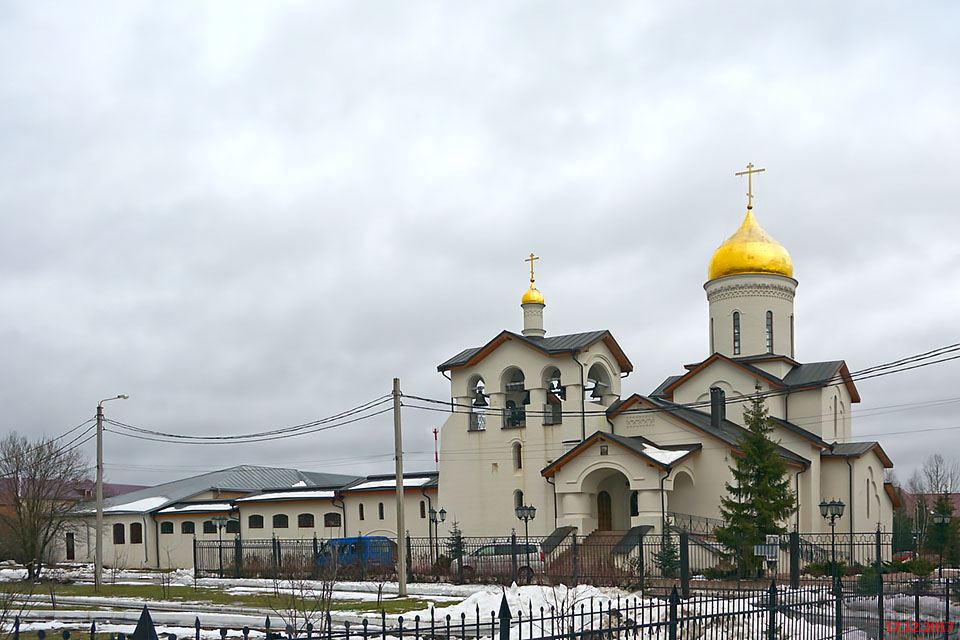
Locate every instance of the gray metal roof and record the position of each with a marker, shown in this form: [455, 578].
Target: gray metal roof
[570, 343]
[848, 449]
[727, 432]
[814, 373]
[240, 478]
[658, 392]
[800, 431]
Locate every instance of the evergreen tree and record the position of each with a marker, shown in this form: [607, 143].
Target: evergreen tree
[667, 558]
[759, 499]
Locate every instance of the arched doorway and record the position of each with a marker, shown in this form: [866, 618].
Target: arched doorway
[604, 512]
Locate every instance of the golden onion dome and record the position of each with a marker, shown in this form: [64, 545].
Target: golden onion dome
[531, 295]
[750, 250]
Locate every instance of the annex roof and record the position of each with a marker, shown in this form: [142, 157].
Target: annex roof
[727, 432]
[857, 450]
[242, 478]
[289, 495]
[196, 507]
[661, 457]
[552, 346]
[421, 481]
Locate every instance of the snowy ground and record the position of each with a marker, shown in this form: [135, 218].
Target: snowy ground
[456, 603]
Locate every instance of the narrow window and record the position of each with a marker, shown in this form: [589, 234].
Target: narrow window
[517, 456]
[834, 417]
[209, 526]
[187, 526]
[166, 527]
[423, 509]
[712, 350]
[791, 336]
[305, 520]
[118, 534]
[233, 526]
[136, 533]
[255, 522]
[517, 498]
[380, 509]
[331, 519]
[71, 550]
[769, 331]
[868, 498]
[634, 505]
[361, 512]
[280, 521]
[736, 333]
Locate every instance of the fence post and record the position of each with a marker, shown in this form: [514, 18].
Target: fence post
[685, 564]
[772, 618]
[16, 628]
[237, 556]
[838, 593]
[315, 569]
[362, 555]
[879, 566]
[794, 559]
[916, 602]
[576, 559]
[946, 610]
[504, 618]
[276, 556]
[672, 622]
[194, 558]
[410, 558]
[513, 556]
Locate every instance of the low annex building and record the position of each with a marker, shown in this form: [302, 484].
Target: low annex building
[157, 526]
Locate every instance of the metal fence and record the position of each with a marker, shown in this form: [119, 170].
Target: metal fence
[776, 612]
[565, 557]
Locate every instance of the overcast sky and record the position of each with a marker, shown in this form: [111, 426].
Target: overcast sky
[253, 215]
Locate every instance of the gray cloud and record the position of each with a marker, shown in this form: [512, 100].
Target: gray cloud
[250, 216]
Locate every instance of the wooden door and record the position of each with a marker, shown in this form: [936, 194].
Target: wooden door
[604, 512]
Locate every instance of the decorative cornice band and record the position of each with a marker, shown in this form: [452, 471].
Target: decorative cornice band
[751, 290]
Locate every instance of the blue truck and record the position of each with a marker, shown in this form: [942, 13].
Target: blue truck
[362, 551]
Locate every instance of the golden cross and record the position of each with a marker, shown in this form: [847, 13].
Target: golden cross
[530, 260]
[749, 173]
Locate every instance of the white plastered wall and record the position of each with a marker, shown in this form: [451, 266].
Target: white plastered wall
[752, 295]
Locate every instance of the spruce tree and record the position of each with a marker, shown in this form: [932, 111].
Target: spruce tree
[759, 500]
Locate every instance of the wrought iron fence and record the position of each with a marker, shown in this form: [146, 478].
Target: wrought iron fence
[775, 612]
[621, 559]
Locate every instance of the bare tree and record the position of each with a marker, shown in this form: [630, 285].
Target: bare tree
[941, 476]
[38, 497]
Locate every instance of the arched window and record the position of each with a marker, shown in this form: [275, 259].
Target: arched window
[517, 498]
[255, 522]
[634, 506]
[736, 333]
[136, 533]
[769, 331]
[281, 521]
[834, 416]
[188, 526]
[361, 511]
[598, 383]
[380, 510]
[166, 527]
[119, 536]
[791, 337]
[423, 509]
[868, 498]
[517, 456]
[305, 520]
[233, 526]
[479, 404]
[209, 526]
[516, 397]
[331, 519]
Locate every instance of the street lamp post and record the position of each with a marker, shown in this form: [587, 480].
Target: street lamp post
[831, 511]
[221, 522]
[436, 517]
[526, 514]
[98, 552]
[941, 520]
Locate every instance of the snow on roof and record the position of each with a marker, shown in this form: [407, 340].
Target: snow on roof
[299, 484]
[196, 508]
[289, 495]
[144, 504]
[391, 483]
[664, 456]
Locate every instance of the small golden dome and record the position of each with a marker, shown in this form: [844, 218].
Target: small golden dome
[532, 295]
[750, 250]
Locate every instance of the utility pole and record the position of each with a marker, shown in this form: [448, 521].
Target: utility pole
[401, 532]
[98, 554]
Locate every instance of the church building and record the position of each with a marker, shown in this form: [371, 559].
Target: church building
[541, 420]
